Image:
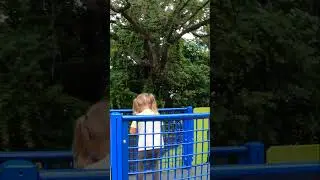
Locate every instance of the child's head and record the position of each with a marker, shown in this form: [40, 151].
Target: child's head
[144, 101]
[91, 140]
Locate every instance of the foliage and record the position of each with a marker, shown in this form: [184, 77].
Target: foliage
[35, 111]
[265, 78]
[264, 74]
[146, 46]
[187, 77]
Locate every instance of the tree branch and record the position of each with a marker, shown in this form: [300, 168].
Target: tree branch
[191, 28]
[200, 35]
[174, 18]
[194, 14]
[136, 27]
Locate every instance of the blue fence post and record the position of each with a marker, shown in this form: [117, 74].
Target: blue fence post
[124, 139]
[255, 152]
[114, 142]
[188, 139]
[18, 169]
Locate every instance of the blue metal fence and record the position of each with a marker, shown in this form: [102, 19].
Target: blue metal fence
[22, 170]
[17, 169]
[54, 159]
[175, 127]
[120, 148]
[249, 153]
[19, 165]
[161, 110]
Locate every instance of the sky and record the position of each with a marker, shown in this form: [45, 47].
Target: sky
[188, 36]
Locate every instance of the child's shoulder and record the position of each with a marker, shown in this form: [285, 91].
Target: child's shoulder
[148, 112]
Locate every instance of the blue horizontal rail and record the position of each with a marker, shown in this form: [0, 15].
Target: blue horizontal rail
[249, 153]
[45, 158]
[225, 151]
[26, 170]
[240, 151]
[160, 110]
[166, 117]
[33, 155]
[74, 174]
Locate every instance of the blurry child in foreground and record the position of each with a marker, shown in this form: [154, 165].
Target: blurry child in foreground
[148, 145]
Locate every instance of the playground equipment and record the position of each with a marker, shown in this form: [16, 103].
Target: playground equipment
[250, 164]
[19, 169]
[178, 129]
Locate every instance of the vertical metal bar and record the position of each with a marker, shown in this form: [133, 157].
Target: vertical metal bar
[202, 148]
[120, 162]
[209, 150]
[125, 150]
[145, 150]
[188, 127]
[44, 165]
[113, 144]
[196, 149]
[256, 152]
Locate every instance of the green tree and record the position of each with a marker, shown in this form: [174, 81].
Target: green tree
[39, 40]
[147, 30]
[265, 78]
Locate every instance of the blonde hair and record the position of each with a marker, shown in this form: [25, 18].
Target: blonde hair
[91, 141]
[144, 99]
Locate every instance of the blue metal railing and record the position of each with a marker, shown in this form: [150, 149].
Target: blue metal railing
[45, 157]
[244, 153]
[17, 165]
[16, 170]
[120, 137]
[161, 110]
[249, 153]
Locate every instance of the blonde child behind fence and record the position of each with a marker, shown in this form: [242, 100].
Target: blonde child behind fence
[148, 145]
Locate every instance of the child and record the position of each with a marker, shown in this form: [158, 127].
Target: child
[91, 138]
[148, 145]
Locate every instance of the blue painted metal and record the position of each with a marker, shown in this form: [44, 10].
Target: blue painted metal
[73, 174]
[161, 110]
[256, 153]
[174, 169]
[240, 151]
[226, 151]
[29, 155]
[188, 129]
[166, 117]
[115, 118]
[250, 153]
[44, 157]
[25, 170]
[18, 170]
[66, 156]
[124, 139]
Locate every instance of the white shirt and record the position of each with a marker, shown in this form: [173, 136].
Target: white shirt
[148, 127]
